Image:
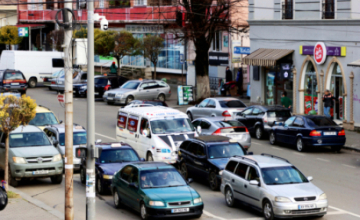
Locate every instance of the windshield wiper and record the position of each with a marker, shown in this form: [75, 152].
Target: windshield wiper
[173, 185]
[291, 182]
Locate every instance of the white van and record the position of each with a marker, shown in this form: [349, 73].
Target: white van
[33, 64]
[154, 132]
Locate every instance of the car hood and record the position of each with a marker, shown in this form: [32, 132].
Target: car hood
[36, 151]
[121, 91]
[171, 194]
[296, 190]
[111, 168]
[79, 84]
[220, 162]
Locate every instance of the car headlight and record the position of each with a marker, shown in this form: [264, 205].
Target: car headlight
[83, 87]
[107, 177]
[119, 95]
[56, 158]
[220, 172]
[322, 196]
[156, 203]
[197, 200]
[19, 160]
[282, 199]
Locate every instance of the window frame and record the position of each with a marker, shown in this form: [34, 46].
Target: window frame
[237, 167]
[211, 106]
[121, 172]
[237, 163]
[55, 63]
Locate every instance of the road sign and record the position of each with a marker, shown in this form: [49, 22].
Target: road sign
[61, 98]
[23, 32]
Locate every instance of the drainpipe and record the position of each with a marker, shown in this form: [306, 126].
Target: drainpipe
[322, 87]
[351, 99]
[294, 90]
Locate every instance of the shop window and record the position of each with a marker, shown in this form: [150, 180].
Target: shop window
[217, 41]
[337, 90]
[140, 2]
[132, 123]
[287, 9]
[58, 63]
[328, 9]
[311, 86]
[160, 2]
[122, 120]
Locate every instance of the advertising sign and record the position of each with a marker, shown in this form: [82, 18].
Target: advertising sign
[241, 50]
[23, 32]
[330, 51]
[145, 29]
[185, 94]
[320, 53]
[218, 59]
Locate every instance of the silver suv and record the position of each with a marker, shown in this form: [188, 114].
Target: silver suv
[31, 155]
[273, 185]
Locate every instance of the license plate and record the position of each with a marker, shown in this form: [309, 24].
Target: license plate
[330, 133]
[179, 210]
[110, 98]
[40, 172]
[308, 206]
[15, 84]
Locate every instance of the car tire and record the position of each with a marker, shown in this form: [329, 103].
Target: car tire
[149, 157]
[143, 212]
[272, 138]
[32, 82]
[300, 146]
[129, 99]
[336, 149]
[12, 181]
[229, 197]
[82, 175]
[117, 201]
[99, 187]
[161, 97]
[190, 116]
[268, 211]
[213, 181]
[56, 179]
[259, 133]
[184, 171]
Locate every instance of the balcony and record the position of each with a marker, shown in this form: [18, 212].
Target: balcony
[287, 10]
[328, 9]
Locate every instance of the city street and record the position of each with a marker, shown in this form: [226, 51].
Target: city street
[337, 174]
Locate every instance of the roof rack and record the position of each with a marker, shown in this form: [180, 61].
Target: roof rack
[75, 124]
[269, 155]
[245, 158]
[44, 107]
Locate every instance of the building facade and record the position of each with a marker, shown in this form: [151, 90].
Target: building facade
[303, 48]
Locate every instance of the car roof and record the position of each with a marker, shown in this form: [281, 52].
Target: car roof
[42, 109]
[214, 119]
[108, 146]
[151, 165]
[145, 80]
[265, 160]
[212, 138]
[27, 128]
[224, 98]
[270, 108]
[159, 111]
[61, 128]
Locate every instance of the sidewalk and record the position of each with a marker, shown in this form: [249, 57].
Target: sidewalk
[352, 140]
[28, 208]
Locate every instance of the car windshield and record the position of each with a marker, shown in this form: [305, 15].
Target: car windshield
[59, 73]
[320, 121]
[161, 178]
[118, 156]
[14, 76]
[171, 125]
[279, 114]
[42, 119]
[130, 85]
[225, 150]
[31, 139]
[282, 175]
[231, 123]
[232, 104]
[78, 138]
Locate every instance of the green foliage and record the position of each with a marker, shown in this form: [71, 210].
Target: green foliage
[152, 47]
[126, 45]
[81, 33]
[9, 35]
[104, 42]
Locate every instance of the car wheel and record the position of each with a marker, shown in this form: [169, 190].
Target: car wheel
[32, 82]
[268, 210]
[259, 133]
[117, 201]
[272, 138]
[190, 116]
[143, 212]
[149, 157]
[99, 187]
[214, 183]
[12, 181]
[82, 175]
[161, 97]
[197, 216]
[300, 145]
[229, 197]
[184, 171]
[336, 148]
[56, 179]
[129, 99]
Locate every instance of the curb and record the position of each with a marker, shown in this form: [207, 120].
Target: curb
[38, 203]
[351, 148]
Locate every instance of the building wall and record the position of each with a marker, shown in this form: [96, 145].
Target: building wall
[307, 9]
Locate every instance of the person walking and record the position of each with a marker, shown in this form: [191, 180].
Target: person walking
[239, 81]
[285, 101]
[113, 68]
[228, 74]
[328, 100]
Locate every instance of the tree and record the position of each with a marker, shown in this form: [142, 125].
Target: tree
[152, 47]
[13, 113]
[9, 35]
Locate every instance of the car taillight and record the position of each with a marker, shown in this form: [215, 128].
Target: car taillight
[265, 119]
[107, 87]
[341, 133]
[218, 131]
[226, 114]
[53, 82]
[45, 79]
[247, 131]
[315, 133]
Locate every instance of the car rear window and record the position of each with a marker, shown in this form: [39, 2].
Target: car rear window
[232, 104]
[320, 121]
[14, 76]
[278, 114]
[231, 123]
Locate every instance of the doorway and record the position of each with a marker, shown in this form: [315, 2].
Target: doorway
[337, 90]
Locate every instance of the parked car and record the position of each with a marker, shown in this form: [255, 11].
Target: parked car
[216, 107]
[155, 190]
[56, 134]
[47, 79]
[12, 81]
[272, 185]
[44, 116]
[58, 83]
[138, 89]
[306, 131]
[206, 156]
[31, 155]
[259, 119]
[145, 103]
[228, 128]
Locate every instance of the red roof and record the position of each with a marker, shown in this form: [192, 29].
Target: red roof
[31, 25]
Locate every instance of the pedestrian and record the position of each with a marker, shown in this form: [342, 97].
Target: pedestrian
[228, 74]
[285, 101]
[328, 100]
[239, 81]
[113, 68]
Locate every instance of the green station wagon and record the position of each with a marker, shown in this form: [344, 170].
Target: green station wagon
[155, 189]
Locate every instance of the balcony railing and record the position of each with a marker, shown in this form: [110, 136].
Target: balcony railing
[328, 9]
[287, 10]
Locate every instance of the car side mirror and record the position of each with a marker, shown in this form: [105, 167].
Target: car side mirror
[55, 142]
[133, 185]
[190, 180]
[254, 182]
[198, 129]
[310, 178]
[2, 145]
[61, 121]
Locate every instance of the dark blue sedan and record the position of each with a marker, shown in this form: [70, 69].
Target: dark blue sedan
[306, 131]
[114, 156]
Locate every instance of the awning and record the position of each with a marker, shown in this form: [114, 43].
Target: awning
[355, 63]
[32, 26]
[266, 57]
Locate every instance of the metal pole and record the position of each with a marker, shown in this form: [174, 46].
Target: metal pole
[90, 161]
[69, 189]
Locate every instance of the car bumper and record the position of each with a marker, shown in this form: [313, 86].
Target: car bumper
[26, 170]
[115, 100]
[166, 159]
[291, 210]
[57, 87]
[244, 140]
[166, 213]
[324, 141]
[12, 89]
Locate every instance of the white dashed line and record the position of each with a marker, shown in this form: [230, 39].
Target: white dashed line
[323, 160]
[348, 166]
[276, 148]
[105, 136]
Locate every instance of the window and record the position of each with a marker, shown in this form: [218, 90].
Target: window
[275, 114]
[289, 121]
[211, 104]
[225, 150]
[320, 121]
[122, 120]
[232, 104]
[132, 123]
[58, 63]
[256, 111]
[231, 123]
[130, 85]
[144, 125]
[3, 138]
[78, 138]
[231, 166]
[32, 139]
[13, 76]
[328, 9]
[126, 173]
[203, 103]
[50, 134]
[253, 175]
[184, 145]
[42, 119]
[205, 125]
[159, 178]
[282, 175]
[287, 9]
[196, 123]
[299, 122]
[200, 151]
[192, 148]
[241, 170]
[164, 126]
[134, 177]
[217, 41]
[144, 85]
[118, 156]
[84, 76]
[140, 2]
[101, 81]
[247, 111]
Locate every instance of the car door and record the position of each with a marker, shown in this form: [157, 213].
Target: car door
[122, 185]
[209, 110]
[197, 111]
[131, 130]
[239, 181]
[195, 161]
[251, 119]
[297, 127]
[151, 91]
[140, 94]
[285, 133]
[144, 142]
[252, 191]
[133, 191]
[52, 136]
[243, 116]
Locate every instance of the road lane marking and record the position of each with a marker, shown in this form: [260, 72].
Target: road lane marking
[276, 148]
[105, 136]
[341, 210]
[323, 159]
[298, 154]
[348, 166]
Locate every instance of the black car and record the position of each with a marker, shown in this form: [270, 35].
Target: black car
[114, 156]
[306, 131]
[259, 119]
[205, 157]
[12, 81]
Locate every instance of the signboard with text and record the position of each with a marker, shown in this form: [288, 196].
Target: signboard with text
[23, 32]
[185, 94]
[218, 59]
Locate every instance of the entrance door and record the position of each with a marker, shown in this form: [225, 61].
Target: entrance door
[337, 90]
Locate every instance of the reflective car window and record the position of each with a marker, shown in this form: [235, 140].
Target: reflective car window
[42, 119]
[320, 121]
[225, 150]
[231, 166]
[160, 178]
[203, 103]
[256, 111]
[232, 104]
[118, 156]
[229, 123]
[13, 76]
[211, 104]
[241, 170]
[298, 122]
[282, 175]
[78, 138]
[273, 114]
[289, 121]
[130, 85]
[164, 126]
[252, 174]
[205, 125]
[196, 123]
[125, 173]
[30, 139]
[247, 111]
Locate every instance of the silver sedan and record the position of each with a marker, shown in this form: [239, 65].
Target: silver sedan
[59, 82]
[220, 126]
[215, 107]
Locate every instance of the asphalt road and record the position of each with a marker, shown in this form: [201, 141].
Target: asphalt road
[337, 174]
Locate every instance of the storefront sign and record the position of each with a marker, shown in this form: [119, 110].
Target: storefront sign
[285, 70]
[241, 50]
[218, 59]
[320, 53]
[330, 51]
[23, 32]
[185, 94]
[145, 29]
